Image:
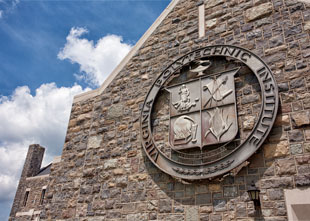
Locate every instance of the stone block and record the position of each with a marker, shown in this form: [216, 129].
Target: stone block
[276, 150]
[191, 213]
[121, 181]
[206, 209]
[267, 212]
[301, 160]
[216, 217]
[250, 99]
[165, 206]
[275, 194]
[307, 26]
[257, 160]
[152, 205]
[230, 191]
[302, 180]
[282, 182]
[295, 136]
[275, 50]
[212, 3]
[241, 210]
[215, 187]
[110, 164]
[285, 167]
[137, 216]
[282, 120]
[118, 171]
[248, 122]
[90, 172]
[114, 112]
[204, 217]
[138, 177]
[307, 134]
[211, 23]
[258, 11]
[296, 148]
[219, 205]
[83, 117]
[94, 142]
[297, 83]
[300, 119]
[204, 198]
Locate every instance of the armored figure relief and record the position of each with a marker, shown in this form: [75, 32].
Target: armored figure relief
[185, 103]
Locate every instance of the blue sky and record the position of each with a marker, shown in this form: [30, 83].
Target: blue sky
[50, 51]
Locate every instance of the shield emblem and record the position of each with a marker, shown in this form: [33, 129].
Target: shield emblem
[203, 111]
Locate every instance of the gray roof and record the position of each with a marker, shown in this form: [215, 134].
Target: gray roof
[45, 170]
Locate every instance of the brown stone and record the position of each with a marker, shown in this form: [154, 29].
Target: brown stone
[300, 119]
[282, 182]
[275, 50]
[211, 23]
[302, 180]
[277, 135]
[285, 167]
[248, 122]
[118, 171]
[257, 160]
[138, 177]
[212, 3]
[132, 153]
[206, 209]
[130, 102]
[287, 97]
[258, 11]
[83, 117]
[94, 142]
[296, 135]
[307, 134]
[114, 112]
[214, 187]
[122, 127]
[303, 160]
[307, 26]
[282, 120]
[307, 147]
[276, 150]
[72, 123]
[165, 206]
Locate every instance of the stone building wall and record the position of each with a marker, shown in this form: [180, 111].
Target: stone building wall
[22, 208]
[104, 173]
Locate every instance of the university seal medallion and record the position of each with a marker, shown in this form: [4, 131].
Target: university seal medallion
[208, 112]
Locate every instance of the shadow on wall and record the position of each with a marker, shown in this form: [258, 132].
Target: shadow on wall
[225, 198]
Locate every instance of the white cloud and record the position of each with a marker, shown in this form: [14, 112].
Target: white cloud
[26, 119]
[11, 158]
[96, 61]
[7, 6]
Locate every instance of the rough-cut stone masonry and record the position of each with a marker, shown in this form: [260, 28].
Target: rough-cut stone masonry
[29, 181]
[104, 174]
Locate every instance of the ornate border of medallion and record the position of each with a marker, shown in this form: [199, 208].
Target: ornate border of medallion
[182, 104]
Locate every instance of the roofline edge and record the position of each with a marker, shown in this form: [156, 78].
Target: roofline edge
[132, 52]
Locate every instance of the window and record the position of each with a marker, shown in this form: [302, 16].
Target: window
[26, 198]
[42, 196]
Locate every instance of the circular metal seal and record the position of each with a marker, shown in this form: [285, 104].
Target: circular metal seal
[201, 114]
